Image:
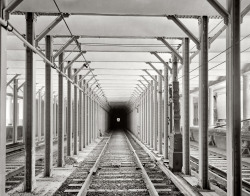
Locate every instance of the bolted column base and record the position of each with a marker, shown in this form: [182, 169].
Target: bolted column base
[175, 152]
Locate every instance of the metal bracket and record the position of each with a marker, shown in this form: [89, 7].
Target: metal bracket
[244, 12]
[220, 9]
[146, 80]
[71, 62]
[142, 83]
[20, 86]
[65, 46]
[150, 75]
[157, 71]
[75, 74]
[10, 7]
[85, 75]
[185, 30]
[171, 48]
[8, 83]
[49, 28]
[162, 61]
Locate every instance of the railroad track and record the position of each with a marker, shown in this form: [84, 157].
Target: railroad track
[218, 169]
[118, 166]
[13, 149]
[15, 168]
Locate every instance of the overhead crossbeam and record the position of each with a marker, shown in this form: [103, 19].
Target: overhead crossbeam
[185, 30]
[162, 61]
[49, 28]
[85, 75]
[10, 7]
[8, 83]
[71, 62]
[149, 75]
[156, 70]
[244, 12]
[220, 9]
[170, 48]
[65, 46]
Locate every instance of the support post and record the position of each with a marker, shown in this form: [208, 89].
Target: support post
[48, 110]
[15, 111]
[30, 102]
[234, 181]
[61, 110]
[86, 117]
[185, 95]
[155, 114]
[152, 114]
[3, 73]
[75, 118]
[175, 154]
[165, 121]
[80, 123]
[69, 116]
[39, 113]
[149, 113]
[160, 128]
[211, 106]
[83, 115]
[203, 105]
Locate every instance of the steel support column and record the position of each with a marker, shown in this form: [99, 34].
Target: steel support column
[152, 114]
[203, 105]
[165, 121]
[75, 117]
[48, 110]
[39, 113]
[211, 106]
[69, 116]
[175, 153]
[61, 110]
[155, 114]
[54, 117]
[3, 73]
[160, 112]
[185, 105]
[15, 109]
[83, 115]
[80, 115]
[149, 113]
[234, 183]
[30, 110]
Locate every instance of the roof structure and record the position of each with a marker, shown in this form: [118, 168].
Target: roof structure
[118, 39]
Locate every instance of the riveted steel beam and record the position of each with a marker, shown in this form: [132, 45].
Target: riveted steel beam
[185, 30]
[71, 62]
[220, 9]
[162, 61]
[156, 70]
[49, 28]
[65, 46]
[10, 7]
[170, 48]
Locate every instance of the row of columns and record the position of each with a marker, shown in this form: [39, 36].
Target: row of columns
[89, 117]
[233, 106]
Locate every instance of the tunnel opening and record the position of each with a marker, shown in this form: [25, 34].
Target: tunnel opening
[118, 118]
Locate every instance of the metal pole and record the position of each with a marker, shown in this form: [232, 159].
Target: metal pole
[61, 127]
[69, 117]
[86, 118]
[48, 110]
[203, 105]
[234, 181]
[155, 114]
[39, 113]
[75, 117]
[152, 113]
[185, 95]
[30, 100]
[3, 73]
[80, 114]
[149, 112]
[15, 105]
[160, 112]
[165, 121]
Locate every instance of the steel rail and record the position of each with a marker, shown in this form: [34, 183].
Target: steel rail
[84, 189]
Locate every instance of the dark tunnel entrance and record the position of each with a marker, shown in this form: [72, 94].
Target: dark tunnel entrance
[118, 118]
